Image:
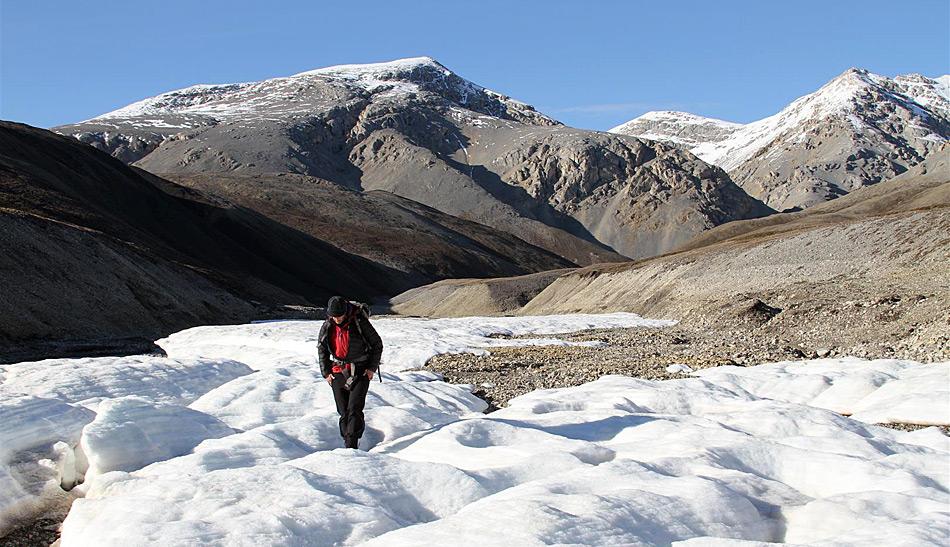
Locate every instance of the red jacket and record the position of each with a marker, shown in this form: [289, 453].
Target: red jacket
[363, 345]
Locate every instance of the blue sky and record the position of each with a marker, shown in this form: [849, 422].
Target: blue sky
[590, 64]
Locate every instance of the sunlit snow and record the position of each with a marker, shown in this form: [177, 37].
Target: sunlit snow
[757, 454]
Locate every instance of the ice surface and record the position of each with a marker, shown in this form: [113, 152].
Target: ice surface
[41, 404]
[618, 460]
[90, 380]
[729, 456]
[688, 460]
[30, 428]
[878, 391]
[130, 433]
[281, 394]
[409, 342]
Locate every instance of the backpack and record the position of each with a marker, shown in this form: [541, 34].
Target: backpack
[363, 309]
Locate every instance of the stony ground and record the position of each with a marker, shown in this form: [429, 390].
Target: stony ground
[741, 333]
[40, 532]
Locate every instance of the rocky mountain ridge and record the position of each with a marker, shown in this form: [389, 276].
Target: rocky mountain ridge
[858, 129]
[863, 275]
[414, 128]
[100, 257]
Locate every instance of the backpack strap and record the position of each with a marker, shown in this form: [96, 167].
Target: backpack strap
[361, 309]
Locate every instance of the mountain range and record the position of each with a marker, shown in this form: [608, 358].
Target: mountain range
[416, 129]
[858, 129]
[101, 257]
[866, 273]
[224, 203]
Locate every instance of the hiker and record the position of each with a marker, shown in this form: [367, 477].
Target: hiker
[349, 349]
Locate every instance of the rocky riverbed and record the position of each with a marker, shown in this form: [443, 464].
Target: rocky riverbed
[752, 337]
[41, 532]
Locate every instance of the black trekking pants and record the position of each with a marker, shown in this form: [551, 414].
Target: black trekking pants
[350, 405]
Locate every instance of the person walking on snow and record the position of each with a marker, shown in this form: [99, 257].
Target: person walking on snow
[349, 349]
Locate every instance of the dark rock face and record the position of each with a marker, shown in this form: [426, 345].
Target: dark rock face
[639, 197]
[93, 250]
[99, 257]
[418, 243]
[415, 129]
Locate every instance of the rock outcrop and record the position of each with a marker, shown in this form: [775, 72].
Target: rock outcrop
[414, 128]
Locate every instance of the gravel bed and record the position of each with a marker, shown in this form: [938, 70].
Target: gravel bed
[40, 532]
[915, 427]
[508, 372]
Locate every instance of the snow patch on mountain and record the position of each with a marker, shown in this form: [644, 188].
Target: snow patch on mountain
[680, 128]
[293, 96]
[841, 96]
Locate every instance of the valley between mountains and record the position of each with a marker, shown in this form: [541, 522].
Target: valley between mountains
[711, 332]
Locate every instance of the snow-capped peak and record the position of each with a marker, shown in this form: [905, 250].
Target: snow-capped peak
[846, 96]
[306, 92]
[943, 85]
[683, 117]
[680, 128]
[398, 66]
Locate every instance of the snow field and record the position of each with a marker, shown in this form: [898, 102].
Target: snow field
[409, 342]
[47, 410]
[737, 456]
[87, 381]
[626, 461]
[618, 460]
[130, 433]
[51, 436]
[880, 391]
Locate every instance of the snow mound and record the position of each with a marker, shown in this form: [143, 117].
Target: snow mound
[130, 433]
[273, 396]
[329, 498]
[880, 391]
[281, 481]
[618, 460]
[88, 381]
[689, 459]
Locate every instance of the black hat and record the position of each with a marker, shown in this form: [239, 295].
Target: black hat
[336, 306]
